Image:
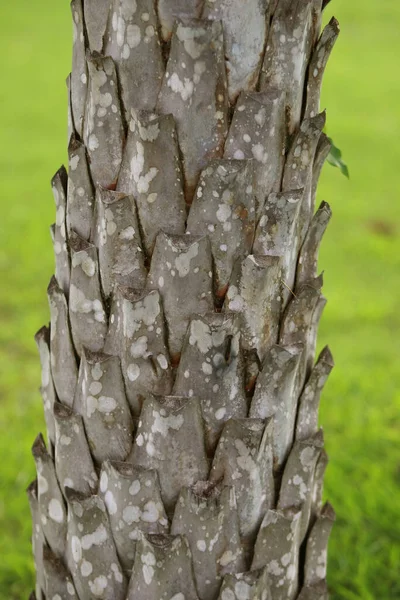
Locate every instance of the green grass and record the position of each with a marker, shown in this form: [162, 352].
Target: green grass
[361, 259]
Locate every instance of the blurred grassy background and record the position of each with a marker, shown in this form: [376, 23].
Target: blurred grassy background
[360, 256]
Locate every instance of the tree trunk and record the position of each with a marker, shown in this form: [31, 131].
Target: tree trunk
[184, 459]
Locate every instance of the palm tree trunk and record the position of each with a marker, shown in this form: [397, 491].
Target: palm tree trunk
[184, 459]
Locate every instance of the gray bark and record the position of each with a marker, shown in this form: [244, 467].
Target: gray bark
[180, 392]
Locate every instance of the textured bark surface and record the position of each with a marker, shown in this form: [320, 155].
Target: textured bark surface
[184, 459]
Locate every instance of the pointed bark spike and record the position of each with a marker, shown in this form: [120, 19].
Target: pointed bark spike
[308, 256]
[62, 354]
[257, 132]
[307, 415]
[298, 170]
[103, 131]
[277, 548]
[171, 10]
[275, 396]
[133, 43]
[47, 389]
[52, 510]
[96, 15]
[196, 95]
[255, 294]
[59, 235]
[151, 171]
[70, 119]
[244, 40]
[73, 461]
[298, 480]
[162, 569]
[252, 585]
[133, 502]
[317, 66]
[112, 344]
[312, 338]
[170, 439]
[243, 460]
[212, 364]
[288, 50]
[80, 199]
[181, 270]
[79, 73]
[321, 154]
[103, 405]
[317, 547]
[320, 469]
[297, 325]
[224, 209]
[146, 364]
[38, 539]
[91, 555]
[210, 522]
[118, 240]
[277, 234]
[58, 580]
[86, 309]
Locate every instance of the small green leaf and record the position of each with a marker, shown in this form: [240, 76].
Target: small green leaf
[335, 159]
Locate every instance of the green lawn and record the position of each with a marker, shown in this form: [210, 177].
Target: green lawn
[361, 259]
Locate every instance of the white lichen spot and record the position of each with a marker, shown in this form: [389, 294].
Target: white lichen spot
[163, 424]
[56, 512]
[182, 262]
[199, 69]
[148, 560]
[134, 488]
[95, 387]
[189, 35]
[220, 413]
[93, 142]
[131, 514]
[98, 586]
[86, 263]
[117, 573]
[200, 336]
[94, 539]
[184, 88]
[243, 590]
[162, 361]
[238, 155]
[227, 594]
[86, 568]
[139, 347]
[133, 35]
[110, 502]
[133, 372]
[259, 153]
[76, 549]
[103, 482]
[150, 513]
[151, 198]
[73, 162]
[227, 558]
[137, 165]
[201, 545]
[274, 568]
[224, 212]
